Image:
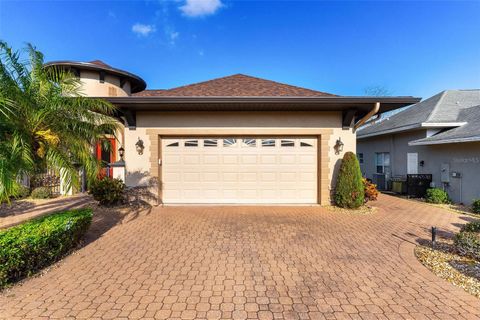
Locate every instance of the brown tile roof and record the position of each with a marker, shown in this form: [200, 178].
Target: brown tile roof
[237, 85]
[100, 63]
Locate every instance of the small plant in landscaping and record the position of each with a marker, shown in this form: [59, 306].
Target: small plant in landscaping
[108, 191]
[23, 192]
[476, 206]
[41, 193]
[28, 247]
[467, 241]
[371, 192]
[473, 226]
[349, 191]
[436, 195]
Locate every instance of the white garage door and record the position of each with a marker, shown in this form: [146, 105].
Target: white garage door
[239, 170]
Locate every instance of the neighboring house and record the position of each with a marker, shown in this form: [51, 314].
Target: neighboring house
[237, 139]
[438, 136]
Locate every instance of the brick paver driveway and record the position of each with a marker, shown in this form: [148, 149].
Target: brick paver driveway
[251, 262]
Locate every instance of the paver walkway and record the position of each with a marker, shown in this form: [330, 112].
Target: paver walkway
[27, 209]
[251, 262]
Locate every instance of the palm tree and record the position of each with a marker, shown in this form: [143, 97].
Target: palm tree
[46, 122]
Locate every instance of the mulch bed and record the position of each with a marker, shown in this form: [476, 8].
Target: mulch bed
[363, 210]
[446, 263]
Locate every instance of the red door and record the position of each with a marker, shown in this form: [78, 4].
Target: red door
[106, 156]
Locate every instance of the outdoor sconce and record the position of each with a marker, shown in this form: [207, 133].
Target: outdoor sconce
[422, 163]
[338, 146]
[121, 152]
[139, 146]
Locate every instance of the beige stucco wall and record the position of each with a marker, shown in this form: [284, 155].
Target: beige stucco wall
[92, 87]
[140, 168]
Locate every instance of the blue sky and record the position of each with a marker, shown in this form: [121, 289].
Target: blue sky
[410, 48]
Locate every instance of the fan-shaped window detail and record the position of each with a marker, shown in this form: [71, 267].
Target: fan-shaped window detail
[191, 143]
[229, 142]
[249, 142]
[287, 143]
[173, 144]
[268, 142]
[210, 142]
[306, 143]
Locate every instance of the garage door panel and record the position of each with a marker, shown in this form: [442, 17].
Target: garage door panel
[210, 176]
[287, 159]
[211, 159]
[268, 159]
[172, 158]
[230, 159]
[268, 176]
[240, 170]
[307, 159]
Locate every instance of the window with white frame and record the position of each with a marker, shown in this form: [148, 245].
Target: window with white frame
[382, 162]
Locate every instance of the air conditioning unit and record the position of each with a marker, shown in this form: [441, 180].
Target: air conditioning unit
[380, 180]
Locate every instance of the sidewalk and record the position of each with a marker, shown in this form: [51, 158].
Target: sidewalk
[27, 209]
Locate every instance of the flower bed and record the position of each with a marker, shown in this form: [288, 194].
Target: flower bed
[28, 247]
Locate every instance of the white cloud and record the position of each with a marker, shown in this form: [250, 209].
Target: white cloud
[143, 29]
[199, 8]
[173, 35]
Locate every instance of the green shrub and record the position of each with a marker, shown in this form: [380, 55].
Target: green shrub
[41, 193]
[28, 247]
[473, 226]
[349, 192]
[23, 192]
[436, 195]
[468, 243]
[476, 206]
[108, 191]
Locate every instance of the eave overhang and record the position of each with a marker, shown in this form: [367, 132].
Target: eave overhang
[351, 107]
[416, 126]
[427, 142]
[137, 83]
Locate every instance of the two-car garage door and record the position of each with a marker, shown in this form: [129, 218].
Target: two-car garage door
[239, 170]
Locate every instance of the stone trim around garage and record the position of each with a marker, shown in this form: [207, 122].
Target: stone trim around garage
[323, 136]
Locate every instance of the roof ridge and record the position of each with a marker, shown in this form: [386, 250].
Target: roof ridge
[443, 94]
[247, 76]
[284, 84]
[200, 82]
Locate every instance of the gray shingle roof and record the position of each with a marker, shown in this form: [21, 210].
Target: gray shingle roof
[467, 133]
[444, 107]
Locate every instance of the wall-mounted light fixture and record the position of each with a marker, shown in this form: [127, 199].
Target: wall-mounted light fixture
[422, 163]
[338, 146]
[121, 153]
[139, 146]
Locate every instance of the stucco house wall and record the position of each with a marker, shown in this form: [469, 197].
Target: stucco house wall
[91, 85]
[395, 144]
[327, 125]
[463, 158]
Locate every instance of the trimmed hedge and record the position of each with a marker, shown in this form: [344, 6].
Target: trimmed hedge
[349, 192]
[437, 195]
[33, 245]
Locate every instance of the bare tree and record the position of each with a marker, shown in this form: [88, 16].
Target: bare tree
[377, 91]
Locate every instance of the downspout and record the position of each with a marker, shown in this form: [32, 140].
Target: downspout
[370, 114]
